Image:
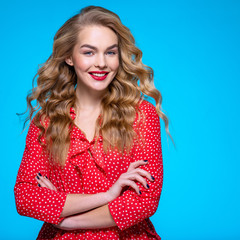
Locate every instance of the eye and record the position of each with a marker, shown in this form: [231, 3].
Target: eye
[111, 53]
[88, 53]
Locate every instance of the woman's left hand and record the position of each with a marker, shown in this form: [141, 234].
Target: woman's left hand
[43, 181]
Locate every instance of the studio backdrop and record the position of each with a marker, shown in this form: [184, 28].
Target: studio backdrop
[193, 47]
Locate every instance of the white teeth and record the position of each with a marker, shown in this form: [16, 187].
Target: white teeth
[99, 74]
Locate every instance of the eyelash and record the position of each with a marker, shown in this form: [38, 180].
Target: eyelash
[108, 53]
[88, 53]
[111, 53]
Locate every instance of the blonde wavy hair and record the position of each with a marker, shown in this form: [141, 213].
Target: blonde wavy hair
[56, 83]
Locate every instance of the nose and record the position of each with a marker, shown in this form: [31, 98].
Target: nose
[100, 61]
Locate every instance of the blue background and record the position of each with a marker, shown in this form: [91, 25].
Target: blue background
[193, 46]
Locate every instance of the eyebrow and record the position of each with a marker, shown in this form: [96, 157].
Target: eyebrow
[94, 48]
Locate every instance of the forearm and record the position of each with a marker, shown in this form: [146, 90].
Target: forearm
[39, 203]
[79, 203]
[95, 219]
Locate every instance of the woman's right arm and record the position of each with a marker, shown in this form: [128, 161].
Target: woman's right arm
[40, 203]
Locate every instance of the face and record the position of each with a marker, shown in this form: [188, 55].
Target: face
[95, 58]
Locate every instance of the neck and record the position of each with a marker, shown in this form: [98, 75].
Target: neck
[87, 100]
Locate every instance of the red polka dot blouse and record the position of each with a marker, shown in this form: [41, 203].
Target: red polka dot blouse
[91, 173]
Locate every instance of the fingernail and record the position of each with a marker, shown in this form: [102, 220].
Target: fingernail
[145, 160]
[38, 177]
[39, 174]
[147, 186]
[39, 185]
[140, 192]
[153, 178]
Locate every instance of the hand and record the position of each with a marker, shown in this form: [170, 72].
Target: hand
[44, 182]
[134, 174]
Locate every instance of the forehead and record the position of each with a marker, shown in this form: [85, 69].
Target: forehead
[97, 36]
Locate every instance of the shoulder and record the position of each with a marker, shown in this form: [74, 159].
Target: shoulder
[147, 121]
[147, 116]
[33, 132]
[35, 129]
[147, 108]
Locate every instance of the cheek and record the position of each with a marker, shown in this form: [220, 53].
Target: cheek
[82, 64]
[115, 64]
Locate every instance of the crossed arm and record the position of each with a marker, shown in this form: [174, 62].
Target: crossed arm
[90, 211]
[76, 211]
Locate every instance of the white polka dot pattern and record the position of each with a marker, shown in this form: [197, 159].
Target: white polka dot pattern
[89, 170]
[130, 208]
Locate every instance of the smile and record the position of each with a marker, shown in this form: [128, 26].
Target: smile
[99, 76]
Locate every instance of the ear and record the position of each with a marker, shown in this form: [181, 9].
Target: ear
[69, 61]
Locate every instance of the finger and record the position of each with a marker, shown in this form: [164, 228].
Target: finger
[137, 164]
[49, 184]
[38, 180]
[144, 173]
[41, 183]
[133, 185]
[44, 182]
[139, 179]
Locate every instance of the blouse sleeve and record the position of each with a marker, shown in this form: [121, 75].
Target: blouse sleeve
[33, 201]
[131, 208]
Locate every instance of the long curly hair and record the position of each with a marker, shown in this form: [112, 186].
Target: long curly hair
[56, 83]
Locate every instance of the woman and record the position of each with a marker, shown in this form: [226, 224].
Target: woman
[92, 166]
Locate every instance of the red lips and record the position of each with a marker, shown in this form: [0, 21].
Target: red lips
[98, 75]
